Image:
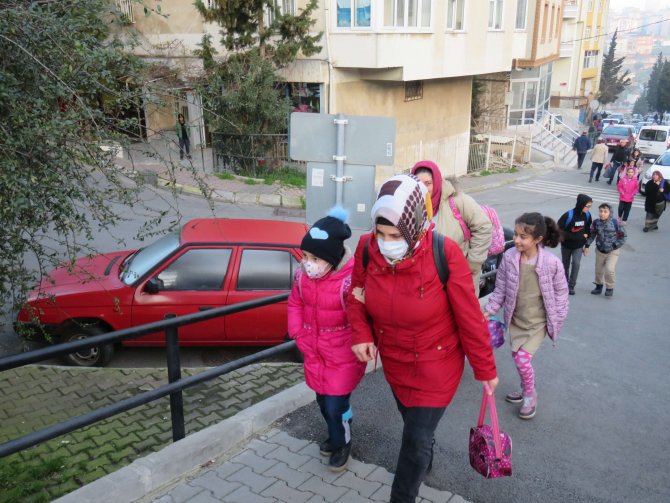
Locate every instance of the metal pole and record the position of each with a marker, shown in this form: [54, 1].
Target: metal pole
[339, 157]
[511, 157]
[488, 152]
[174, 374]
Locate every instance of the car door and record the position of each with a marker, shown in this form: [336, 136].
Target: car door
[193, 281]
[260, 272]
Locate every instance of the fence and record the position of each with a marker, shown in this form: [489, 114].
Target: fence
[251, 154]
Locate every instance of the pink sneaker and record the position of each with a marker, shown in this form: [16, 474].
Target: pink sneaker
[529, 406]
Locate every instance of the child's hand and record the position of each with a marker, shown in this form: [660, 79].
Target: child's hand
[359, 294]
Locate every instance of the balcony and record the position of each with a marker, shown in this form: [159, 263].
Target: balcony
[570, 9]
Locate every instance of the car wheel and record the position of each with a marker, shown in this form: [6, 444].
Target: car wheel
[97, 356]
[295, 353]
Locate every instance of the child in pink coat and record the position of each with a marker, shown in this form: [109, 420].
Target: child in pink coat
[317, 320]
[628, 187]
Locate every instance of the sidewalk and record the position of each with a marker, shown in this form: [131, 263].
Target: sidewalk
[158, 161]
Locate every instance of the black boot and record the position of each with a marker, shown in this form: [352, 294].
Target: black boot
[325, 448]
[339, 457]
[609, 292]
[597, 290]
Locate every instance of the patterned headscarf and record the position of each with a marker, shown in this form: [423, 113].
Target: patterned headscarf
[405, 202]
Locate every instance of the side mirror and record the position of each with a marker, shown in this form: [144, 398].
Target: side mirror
[152, 286]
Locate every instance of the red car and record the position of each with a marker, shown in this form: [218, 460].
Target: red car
[208, 263]
[615, 133]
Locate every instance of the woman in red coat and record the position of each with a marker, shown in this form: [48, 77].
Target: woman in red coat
[398, 304]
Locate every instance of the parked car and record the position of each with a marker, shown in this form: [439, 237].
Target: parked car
[615, 133]
[615, 116]
[662, 164]
[653, 140]
[209, 263]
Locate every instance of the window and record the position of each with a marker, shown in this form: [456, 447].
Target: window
[407, 13]
[202, 269]
[283, 6]
[126, 8]
[653, 135]
[590, 6]
[495, 14]
[590, 59]
[521, 10]
[353, 13]
[587, 32]
[455, 15]
[545, 17]
[266, 270]
[413, 90]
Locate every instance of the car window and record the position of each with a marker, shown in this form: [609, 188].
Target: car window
[199, 269]
[619, 131]
[146, 258]
[664, 160]
[266, 270]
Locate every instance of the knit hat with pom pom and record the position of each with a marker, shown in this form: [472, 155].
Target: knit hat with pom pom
[326, 237]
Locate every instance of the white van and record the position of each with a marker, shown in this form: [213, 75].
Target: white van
[653, 140]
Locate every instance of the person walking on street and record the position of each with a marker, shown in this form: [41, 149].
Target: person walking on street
[627, 187]
[598, 159]
[582, 145]
[182, 135]
[531, 287]
[317, 320]
[619, 158]
[449, 203]
[423, 325]
[575, 226]
[654, 200]
[610, 236]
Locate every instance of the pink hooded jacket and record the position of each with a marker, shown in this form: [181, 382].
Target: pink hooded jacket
[317, 320]
[553, 285]
[628, 187]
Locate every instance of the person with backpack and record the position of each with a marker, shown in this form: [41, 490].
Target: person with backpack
[317, 320]
[531, 287]
[458, 217]
[575, 226]
[421, 326]
[610, 236]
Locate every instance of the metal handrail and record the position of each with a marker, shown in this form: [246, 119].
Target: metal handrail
[176, 384]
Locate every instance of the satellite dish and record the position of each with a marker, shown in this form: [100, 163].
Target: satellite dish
[594, 104]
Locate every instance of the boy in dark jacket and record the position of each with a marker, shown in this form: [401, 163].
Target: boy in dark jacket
[609, 236]
[575, 226]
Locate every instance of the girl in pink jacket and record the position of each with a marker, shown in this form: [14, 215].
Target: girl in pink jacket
[628, 187]
[317, 320]
[531, 286]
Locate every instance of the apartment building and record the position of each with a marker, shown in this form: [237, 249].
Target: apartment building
[413, 60]
[583, 43]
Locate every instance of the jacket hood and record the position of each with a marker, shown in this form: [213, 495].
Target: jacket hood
[345, 259]
[450, 187]
[436, 194]
[582, 200]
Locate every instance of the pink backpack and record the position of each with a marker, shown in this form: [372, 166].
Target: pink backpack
[497, 233]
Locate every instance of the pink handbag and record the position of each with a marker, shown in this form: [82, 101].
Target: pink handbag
[490, 449]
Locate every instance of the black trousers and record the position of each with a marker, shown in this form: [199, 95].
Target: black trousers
[596, 167]
[624, 209]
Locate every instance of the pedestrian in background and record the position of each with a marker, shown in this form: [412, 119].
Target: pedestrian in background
[182, 135]
[317, 320]
[654, 200]
[582, 145]
[627, 188]
[575, 226]
[610, 236]
[619, 158]
[532, 288]
[450, 206]
[598, 159]
[422, 327]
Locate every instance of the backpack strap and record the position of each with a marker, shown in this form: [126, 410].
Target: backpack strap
[440, 258]
[568, 221]
[457, 215]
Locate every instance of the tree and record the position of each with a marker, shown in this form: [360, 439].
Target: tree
[242, 93]
[612, 81]
[641, 106]
[664, 90]
[67, 84]
[652, 89]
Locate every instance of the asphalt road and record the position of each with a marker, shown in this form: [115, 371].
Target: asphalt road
[600, 433]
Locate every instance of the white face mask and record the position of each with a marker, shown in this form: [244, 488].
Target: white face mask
[393, 250]
[314, 270]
